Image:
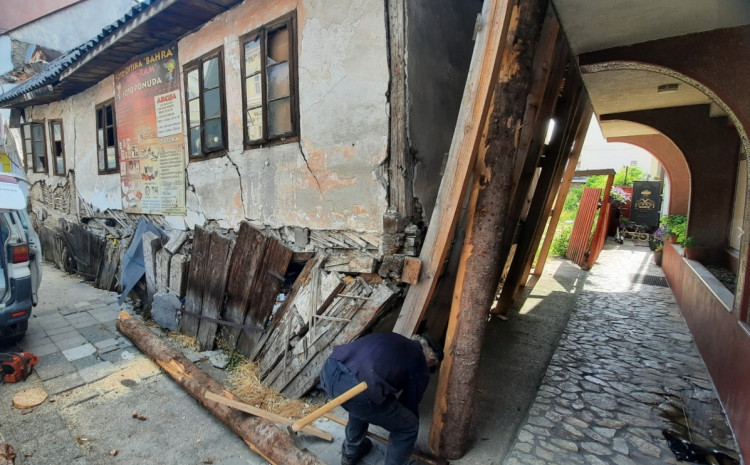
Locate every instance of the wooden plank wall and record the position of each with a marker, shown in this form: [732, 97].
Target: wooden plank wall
[579, 238]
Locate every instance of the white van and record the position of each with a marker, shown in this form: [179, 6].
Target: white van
[20, 262]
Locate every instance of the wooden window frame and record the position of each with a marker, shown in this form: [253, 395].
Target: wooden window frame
[290, 21]
[53, 153]
[197, 64]
[103, 106]
[29, 157]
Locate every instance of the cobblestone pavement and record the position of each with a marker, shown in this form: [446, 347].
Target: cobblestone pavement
[626, 369]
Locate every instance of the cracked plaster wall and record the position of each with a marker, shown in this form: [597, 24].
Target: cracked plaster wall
[333, 177]
[79, 141]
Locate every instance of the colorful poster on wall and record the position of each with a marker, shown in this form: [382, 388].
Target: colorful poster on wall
[149, 134]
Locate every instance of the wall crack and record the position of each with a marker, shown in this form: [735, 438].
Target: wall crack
[239, 178]
[307, 163]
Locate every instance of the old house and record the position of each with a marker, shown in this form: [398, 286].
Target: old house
[361, 129]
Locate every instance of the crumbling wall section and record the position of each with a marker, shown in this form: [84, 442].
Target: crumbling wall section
[333, 177]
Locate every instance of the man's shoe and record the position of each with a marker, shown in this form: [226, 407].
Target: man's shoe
[364, 449]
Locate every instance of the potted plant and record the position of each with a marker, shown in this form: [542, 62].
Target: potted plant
[676, 225]
[657, 238]
[658, 254]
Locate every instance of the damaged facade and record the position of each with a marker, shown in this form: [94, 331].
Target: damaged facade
[305, 120]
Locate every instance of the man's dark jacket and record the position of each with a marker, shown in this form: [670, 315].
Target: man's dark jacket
[388, 363]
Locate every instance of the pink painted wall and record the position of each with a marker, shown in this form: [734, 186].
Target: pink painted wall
[670, 156]
[15, 13]
[722, 343]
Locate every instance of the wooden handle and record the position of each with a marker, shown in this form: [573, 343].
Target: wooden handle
[332, 404]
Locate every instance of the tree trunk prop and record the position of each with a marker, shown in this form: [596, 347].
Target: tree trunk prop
[478, 272]
[259, 434]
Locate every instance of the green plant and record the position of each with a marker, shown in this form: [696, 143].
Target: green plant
[561, 241]
[659, 248]
[689, 242]
[676, 225]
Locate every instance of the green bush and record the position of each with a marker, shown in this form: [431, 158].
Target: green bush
[561, 241]
[677, 225]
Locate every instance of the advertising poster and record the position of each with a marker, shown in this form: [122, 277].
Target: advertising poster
[149, 134]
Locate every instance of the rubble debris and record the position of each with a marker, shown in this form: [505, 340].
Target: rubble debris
[164, 310]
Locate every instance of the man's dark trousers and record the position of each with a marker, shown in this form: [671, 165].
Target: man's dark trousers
[401, 422]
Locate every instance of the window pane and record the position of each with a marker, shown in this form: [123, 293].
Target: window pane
[252, 57]
[211, 73]
[111, 158]
[100, 139]
[110, 116]
[37, 131]
[253, 91]
[193, 84]
[59, 167]
[27, 145]
[278, 81]
[56, 131]
[279, 117]
[278, 46]
[212, 100]
[38, 148]
[57, 148]
[110, 137]
[214, 139]
[255, 124]
[99, 118]
[100, 154]
[195, 112]
[195, 141]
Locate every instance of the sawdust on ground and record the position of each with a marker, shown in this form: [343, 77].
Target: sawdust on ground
[245, 384]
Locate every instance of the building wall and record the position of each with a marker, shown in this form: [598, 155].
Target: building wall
[439, 47]
[332, 178]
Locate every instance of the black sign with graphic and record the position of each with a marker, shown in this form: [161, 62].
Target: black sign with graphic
[646, 203]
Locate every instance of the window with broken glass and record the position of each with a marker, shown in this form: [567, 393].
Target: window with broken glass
[106, 138]
[56, 144]
[269, 87]
[204, 89]
[33, 147]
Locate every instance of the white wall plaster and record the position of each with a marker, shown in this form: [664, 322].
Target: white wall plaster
[331, 179]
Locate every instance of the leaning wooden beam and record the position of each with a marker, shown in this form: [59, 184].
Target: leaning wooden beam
[483, 72]
[259, 434]
[478, 273]
[562, 193]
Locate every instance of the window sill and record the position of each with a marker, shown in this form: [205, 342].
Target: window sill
[288, 140]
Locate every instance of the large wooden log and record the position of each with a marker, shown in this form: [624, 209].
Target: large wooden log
[478, 273]
[262, 436]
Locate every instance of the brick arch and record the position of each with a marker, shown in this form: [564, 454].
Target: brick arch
[673, 160]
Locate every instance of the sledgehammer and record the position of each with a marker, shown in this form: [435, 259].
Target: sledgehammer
[330, 405]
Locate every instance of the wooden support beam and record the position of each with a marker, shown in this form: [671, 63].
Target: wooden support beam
[549, 71]
[480, 83]
[189, 322]
[400, 161]
[562, 193]
[478, 273]
[569, 113]
[151, 245]
[259, 434]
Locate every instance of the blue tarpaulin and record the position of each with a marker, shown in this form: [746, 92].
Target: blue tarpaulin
[133, 267]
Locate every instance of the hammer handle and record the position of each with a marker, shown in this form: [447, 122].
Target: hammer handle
[330, 405]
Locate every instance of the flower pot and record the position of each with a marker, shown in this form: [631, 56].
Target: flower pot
[658, 255]
[673, 238]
